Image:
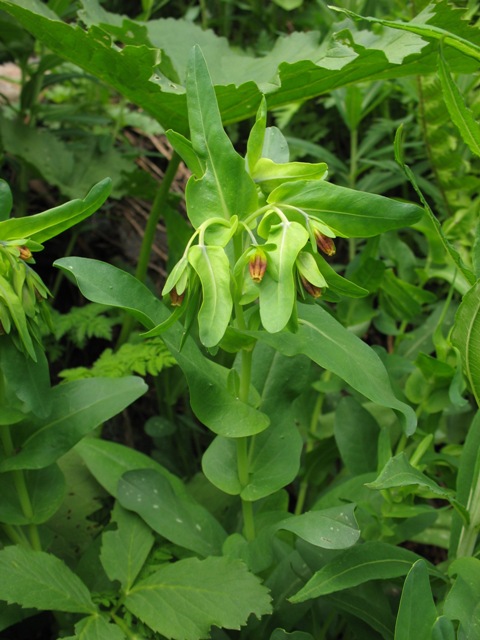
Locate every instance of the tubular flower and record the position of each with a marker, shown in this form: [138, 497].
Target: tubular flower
[257, 265]
[325, 244]
[310, 288]
[176, 299]
[25, 253]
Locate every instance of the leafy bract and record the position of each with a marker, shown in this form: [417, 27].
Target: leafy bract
[184, 599]
[348, 212]
[40, 580]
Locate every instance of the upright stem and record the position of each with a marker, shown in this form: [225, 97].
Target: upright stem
[149, 235]
[22, 489]
[469, 533]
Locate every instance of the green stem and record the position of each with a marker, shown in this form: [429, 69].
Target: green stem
[469, 533]
[21, 487]
[158, 206]
[243, 461]
[302, 493]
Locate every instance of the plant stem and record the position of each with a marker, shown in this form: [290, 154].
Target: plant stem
[469, 533]
[21, 487]
[302, 493]
[158, 206]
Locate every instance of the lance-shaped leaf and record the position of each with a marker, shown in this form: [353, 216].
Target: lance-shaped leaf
[210, 399]
[462, 117]
[277, 289]
[201, 593]
[46, 225]
[466, 337]
[213, 269]
[330, 345]
[417, 612]
[40, 580]
[77, 408]
[359, 564]
[333, 528]
[6, 200]
[350, 213]
[225, 189]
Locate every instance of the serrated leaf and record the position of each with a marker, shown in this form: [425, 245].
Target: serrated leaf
[97, 628]
[125, 550]
[348, 212]
[40, 580]
[466, 337]
[184, 599]
[177, 518]
[359, 564]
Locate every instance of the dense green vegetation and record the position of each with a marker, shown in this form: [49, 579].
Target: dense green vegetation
[255, 416]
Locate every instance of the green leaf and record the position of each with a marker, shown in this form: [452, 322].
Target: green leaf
[462, 601]
[466, 337]
[108, 461]
[334, 528]
[461, 116]
[425, 30]
[336, 282]
[213, 269]
[348, 212]
[96, 627]
[184, 148]
[46, 489]
[178, 519]
[277, 289]
[46, 225]
[281, 634]
[417, 612]
[398, 472]
[40, 580]
[78, 408]
[356, 434]
[225, 189]
[330, 345]
[125, 550]
[443, 629]
[359, 564]
[6, 200]
[269, 174]
[256, 137]
[210, 399]
[184, 599]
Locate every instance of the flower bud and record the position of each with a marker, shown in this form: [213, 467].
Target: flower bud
[176, 299]
[324, 243]
[257, 265]
[310, 288]
[25, 253]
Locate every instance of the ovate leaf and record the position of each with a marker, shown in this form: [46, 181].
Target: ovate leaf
[178, 518]
[184, 599]
[40, 580]
[333, 528]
